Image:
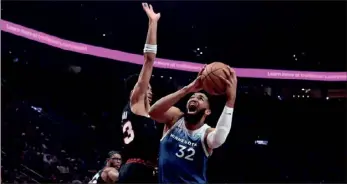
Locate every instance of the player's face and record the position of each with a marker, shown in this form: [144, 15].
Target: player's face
[196, 103]
[149, 94]
[116, 161]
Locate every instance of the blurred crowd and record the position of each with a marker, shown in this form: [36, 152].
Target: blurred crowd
[34, 149]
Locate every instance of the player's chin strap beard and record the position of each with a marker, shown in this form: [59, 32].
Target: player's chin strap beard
[194, 118]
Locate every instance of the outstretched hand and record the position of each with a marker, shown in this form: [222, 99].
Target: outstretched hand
[152, 16]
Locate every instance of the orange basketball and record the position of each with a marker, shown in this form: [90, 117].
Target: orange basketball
[212, 84]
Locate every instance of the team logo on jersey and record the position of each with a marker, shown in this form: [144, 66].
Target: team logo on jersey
[184, 141]
[124, 115]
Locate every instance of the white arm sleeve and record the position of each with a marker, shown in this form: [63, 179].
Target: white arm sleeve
[218, 136]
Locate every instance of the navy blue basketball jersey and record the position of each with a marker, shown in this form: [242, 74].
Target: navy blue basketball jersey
[140, 136]
[183, 155]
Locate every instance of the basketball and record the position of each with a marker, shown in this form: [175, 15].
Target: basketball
[212, 84]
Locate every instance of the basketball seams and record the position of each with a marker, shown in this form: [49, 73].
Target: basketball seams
[208, 74]
[203, 76]
[210, 70]
[217, 86]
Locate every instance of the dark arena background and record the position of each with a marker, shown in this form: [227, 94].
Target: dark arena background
[64, 84]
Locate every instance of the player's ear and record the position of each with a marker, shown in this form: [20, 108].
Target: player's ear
[207, 112]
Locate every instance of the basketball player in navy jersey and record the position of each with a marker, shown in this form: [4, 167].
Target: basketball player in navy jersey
[109, 174]
[187, 141]
[140, 135]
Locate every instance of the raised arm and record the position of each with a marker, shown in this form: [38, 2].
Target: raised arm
[215, 137]
[137, 98]
[163, 111]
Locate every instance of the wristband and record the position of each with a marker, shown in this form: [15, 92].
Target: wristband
[150, 49]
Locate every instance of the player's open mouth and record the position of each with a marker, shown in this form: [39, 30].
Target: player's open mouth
[192, 107]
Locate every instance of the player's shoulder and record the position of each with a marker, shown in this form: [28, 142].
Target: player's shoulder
[204, 130]
[135, 110]
[108, 169]
[209, 129]
[100, 171]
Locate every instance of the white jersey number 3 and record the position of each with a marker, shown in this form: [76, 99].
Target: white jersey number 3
[128, 128]
[186, 153]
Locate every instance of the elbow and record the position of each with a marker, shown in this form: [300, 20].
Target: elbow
[217, 143]
[156, 113]
[150, 112]
[215, 140]
[153, 112]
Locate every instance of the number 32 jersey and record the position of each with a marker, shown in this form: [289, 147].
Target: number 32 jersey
[140, 136]
[183, 155]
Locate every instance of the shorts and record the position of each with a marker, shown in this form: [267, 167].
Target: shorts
[137, 173]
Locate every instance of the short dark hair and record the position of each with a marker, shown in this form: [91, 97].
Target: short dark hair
[111, 153]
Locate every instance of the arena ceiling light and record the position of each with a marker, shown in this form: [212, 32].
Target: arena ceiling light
[261, 142]
[75, 69]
